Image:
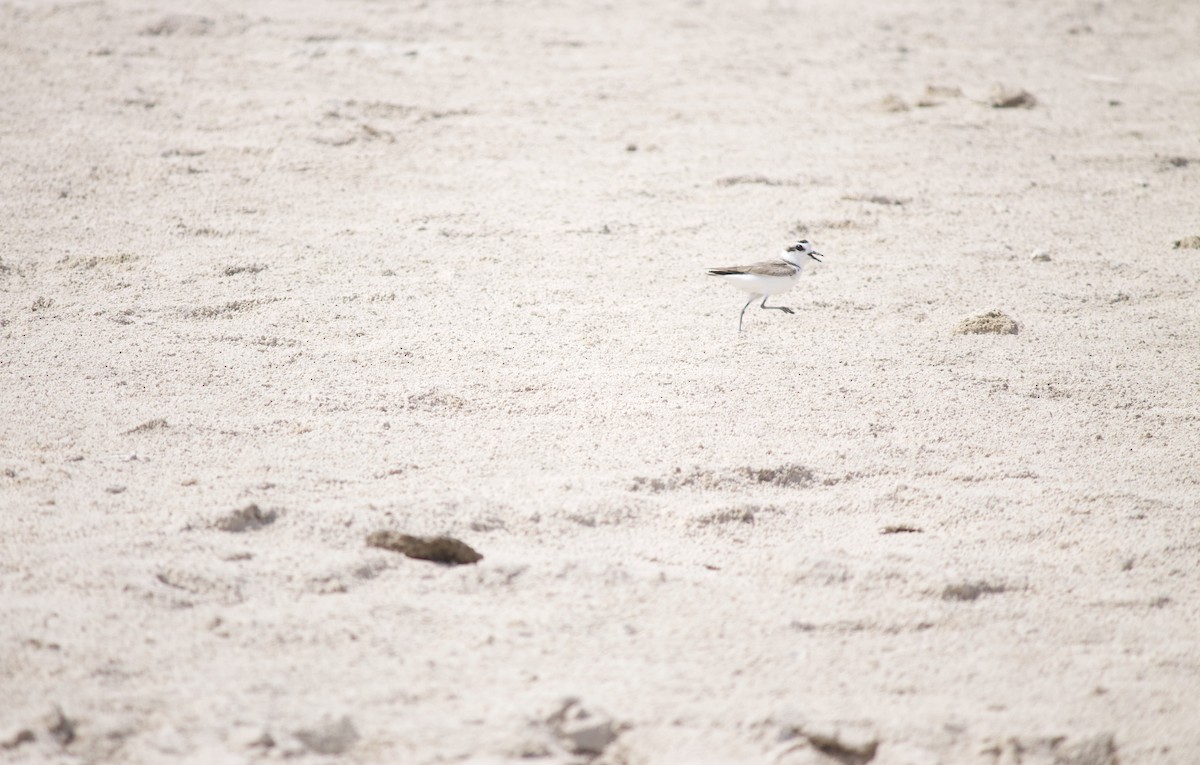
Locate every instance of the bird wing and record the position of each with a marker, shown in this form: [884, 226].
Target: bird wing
[765, 268]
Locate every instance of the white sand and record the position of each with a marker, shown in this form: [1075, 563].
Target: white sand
[439, 267]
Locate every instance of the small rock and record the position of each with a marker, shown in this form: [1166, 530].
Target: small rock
[249, 518]
[990, 323]
[263, 741]
[437, 549]
[587, 738]
[1040, 256]
[1188, 243]
[935, 93]
[580, 730]
[850, 743]
[329, 737]
[60, 727]
[1007, 98]
[845, 748]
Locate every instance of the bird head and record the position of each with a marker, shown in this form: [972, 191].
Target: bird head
[797, 251]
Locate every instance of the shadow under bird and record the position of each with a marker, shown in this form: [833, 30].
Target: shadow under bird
[769, 277]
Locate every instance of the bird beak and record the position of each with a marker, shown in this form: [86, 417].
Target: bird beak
[814, 255]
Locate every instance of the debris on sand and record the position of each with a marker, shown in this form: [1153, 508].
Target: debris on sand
[1188, 243]
[741, 514]
[893, 103]
[1010, 98]
[443, 549]
[1040, 256]
[876, 199]
[968, 591]
[16, 737]
[434, 399]
[1171, 162]
[990, 323]
[785, 476]
[252, 268]
[761, 180]
[158, 423]
[60, 727]
[1096, 750]
[571, 733]
[248, 518]
[901, 528]
[182, 24]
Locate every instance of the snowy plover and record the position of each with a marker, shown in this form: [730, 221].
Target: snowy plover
[770, 277]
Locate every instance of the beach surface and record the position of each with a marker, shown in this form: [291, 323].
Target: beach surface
[273, 280]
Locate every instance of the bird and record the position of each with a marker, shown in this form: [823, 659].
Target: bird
[769, 277]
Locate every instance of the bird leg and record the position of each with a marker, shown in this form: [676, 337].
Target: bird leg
[743, 313]
[783, 308]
